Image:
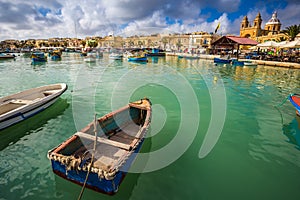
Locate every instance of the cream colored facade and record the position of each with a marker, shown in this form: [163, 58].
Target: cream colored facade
[170, 42]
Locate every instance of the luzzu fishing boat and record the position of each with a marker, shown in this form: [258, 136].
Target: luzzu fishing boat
[56, 54]
[99, 156]
[38, 57]
[222, 60]
[138, 58]
[295, 100]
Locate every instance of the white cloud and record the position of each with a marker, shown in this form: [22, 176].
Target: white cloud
[21, 19]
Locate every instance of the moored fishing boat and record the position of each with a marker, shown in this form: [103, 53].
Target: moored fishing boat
[38, 57]
[189, 56]
[222, 60]
[295, 100]
[116, 56]
[100, 155]
[250, 63]
[4, 56]
[55, 54]
[236, 62]
[138, 58]
[155, 52]
[90, 57]
[20, 106]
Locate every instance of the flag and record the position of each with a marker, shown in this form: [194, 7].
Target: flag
[218, 26]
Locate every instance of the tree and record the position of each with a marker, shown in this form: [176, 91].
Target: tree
[92, 43]
[131, 43]
[83, 42]
[281, 39]
[179, 44]
[292, 31]
[140, 43]
[164, 41]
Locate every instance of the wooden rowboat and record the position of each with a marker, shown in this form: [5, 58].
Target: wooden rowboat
[20, 106]
[295, 100]
[99, 156]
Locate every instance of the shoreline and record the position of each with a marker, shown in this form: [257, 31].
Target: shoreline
[291, 65]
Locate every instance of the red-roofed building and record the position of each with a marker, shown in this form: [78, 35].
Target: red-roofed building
[232, 43]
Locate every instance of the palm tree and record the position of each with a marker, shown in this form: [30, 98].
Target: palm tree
[292, 31]
[140, 43]
[281, 39]
[179, 44]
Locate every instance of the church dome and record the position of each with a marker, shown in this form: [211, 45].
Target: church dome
[274, 19]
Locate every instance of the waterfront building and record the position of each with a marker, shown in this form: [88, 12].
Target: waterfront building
[151, 41]
[110, 41]
[200, 41]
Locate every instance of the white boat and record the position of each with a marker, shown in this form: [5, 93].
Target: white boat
[116, 56]
[20, 106]
[90, 58]
[4, 56]
[249, 63]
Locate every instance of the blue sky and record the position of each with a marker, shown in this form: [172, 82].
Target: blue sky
[23, 19]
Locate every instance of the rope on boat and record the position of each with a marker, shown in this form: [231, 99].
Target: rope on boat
[92, 159]
[284, 100]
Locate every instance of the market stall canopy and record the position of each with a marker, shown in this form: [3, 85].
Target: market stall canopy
[233, 41]
[268, 44]
[292, 44]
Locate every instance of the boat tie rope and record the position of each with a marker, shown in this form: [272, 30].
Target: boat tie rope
[284, 100]
[92, 159]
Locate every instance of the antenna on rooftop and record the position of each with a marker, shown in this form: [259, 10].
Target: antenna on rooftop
[75, 29]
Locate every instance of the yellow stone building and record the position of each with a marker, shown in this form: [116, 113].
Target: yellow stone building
[271, 30]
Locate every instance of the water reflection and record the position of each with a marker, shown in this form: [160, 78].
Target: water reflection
[12, 134]
[292, 131]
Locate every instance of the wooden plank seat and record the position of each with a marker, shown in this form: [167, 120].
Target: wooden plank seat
[122, 137]
[105, 141]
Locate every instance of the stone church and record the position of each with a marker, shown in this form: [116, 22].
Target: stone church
[271, 30]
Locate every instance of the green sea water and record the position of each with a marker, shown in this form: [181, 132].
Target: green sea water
[253, 147]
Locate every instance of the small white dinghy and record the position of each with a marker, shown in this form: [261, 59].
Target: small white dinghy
[250, 63]
[20, 106]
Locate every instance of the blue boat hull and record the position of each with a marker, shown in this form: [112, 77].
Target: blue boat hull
[102, 185]
[55, 57]
[38, 60]
[141, 59]
[220, 60]
[237, 63]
